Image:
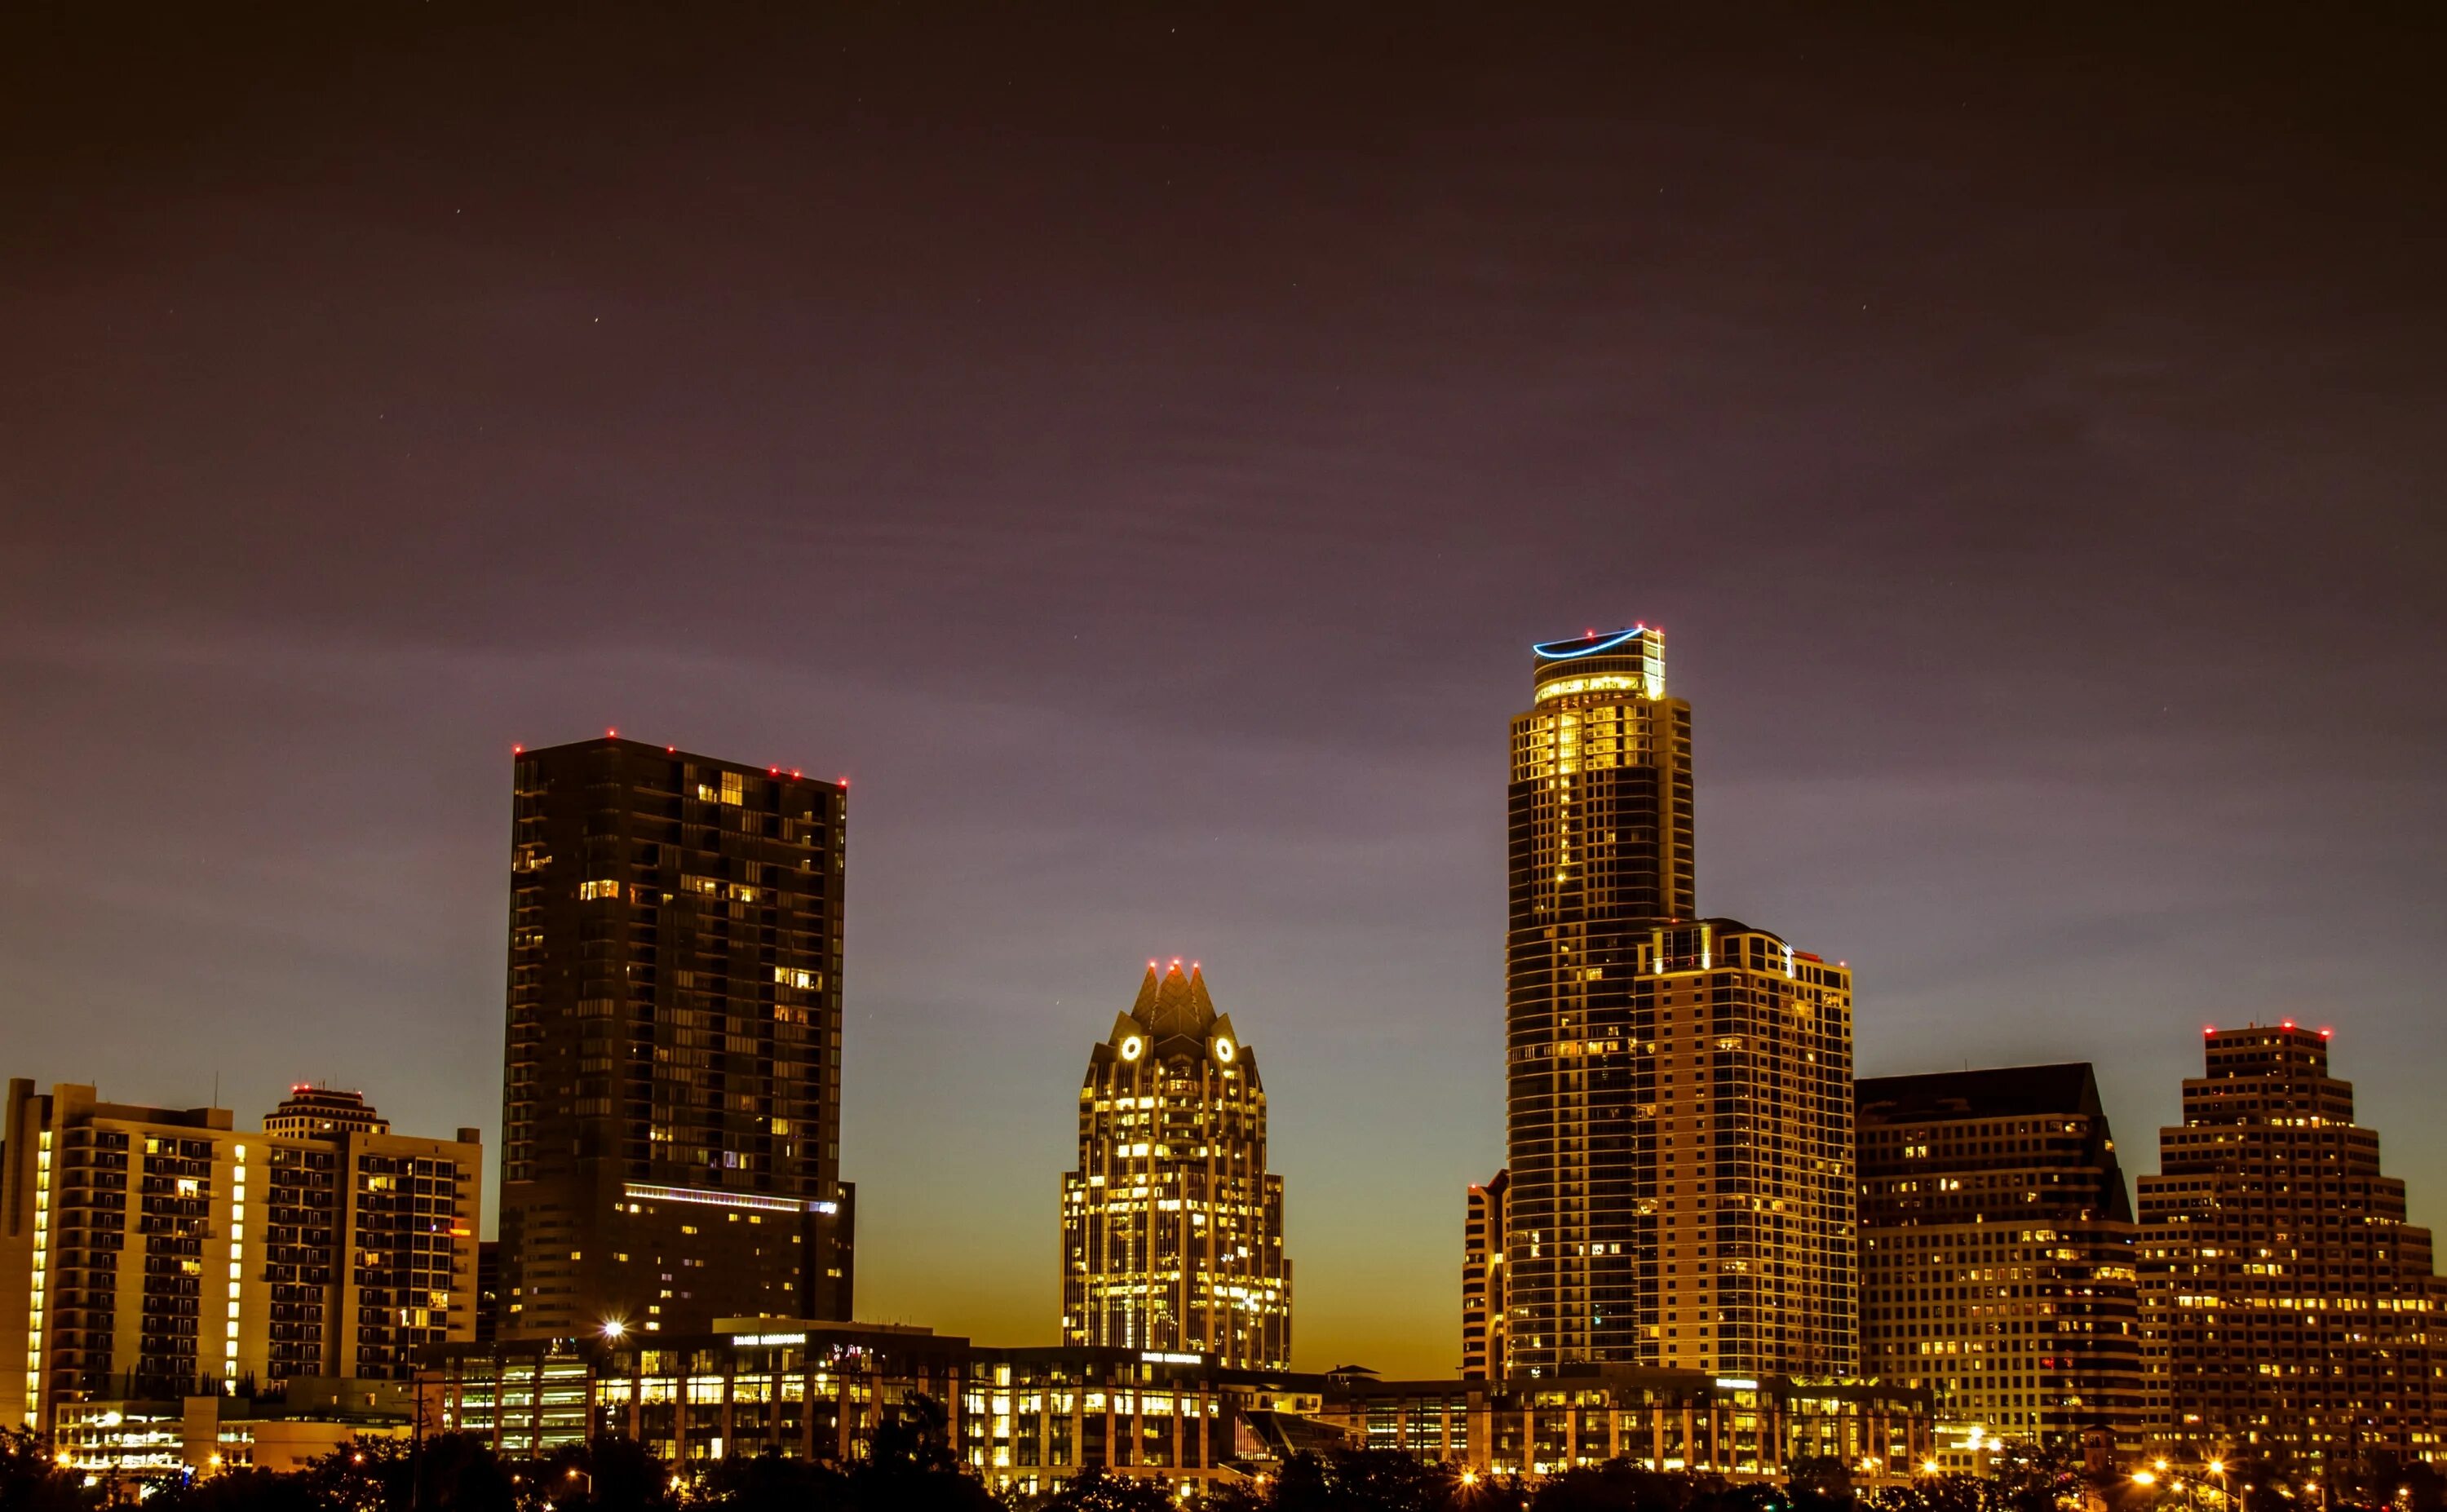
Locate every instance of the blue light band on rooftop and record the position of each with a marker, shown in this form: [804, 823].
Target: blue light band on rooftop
[1548, 651]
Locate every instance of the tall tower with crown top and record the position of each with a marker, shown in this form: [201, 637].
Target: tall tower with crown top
[1172, 1231]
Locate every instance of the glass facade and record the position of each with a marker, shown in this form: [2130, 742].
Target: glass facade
[672, 1097]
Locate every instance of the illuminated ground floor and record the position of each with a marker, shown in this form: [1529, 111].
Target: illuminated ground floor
[1030, 1419]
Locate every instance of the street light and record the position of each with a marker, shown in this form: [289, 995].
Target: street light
[614, 1328]
[2145, 1478]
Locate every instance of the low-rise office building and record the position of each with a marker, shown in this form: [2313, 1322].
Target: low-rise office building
[1022, 1419]
[120, 1442]
[1027, 1420]
[1742, 1428]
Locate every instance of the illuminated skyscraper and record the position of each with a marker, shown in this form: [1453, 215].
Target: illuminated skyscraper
[1679, 1098]
[1996, 1258]
[2290, 1311]
[1172, 1231]
[672, 1107]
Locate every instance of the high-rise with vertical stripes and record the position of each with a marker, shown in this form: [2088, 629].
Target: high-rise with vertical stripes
[1172, 1227]
[1679, 1089]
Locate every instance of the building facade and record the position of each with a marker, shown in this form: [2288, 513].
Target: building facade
[1744, 1428]
[1484, 1316]
[1997, 1262]
[1172, 1229]
[2290, 1312]
[1027, 1420]
[672, 1098]
[124, 1443]
[162, 1253]
[1023, 1420]
[1679, 1097]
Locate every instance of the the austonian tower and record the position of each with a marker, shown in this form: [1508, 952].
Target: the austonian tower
[672, 1096]
[1679, 1089]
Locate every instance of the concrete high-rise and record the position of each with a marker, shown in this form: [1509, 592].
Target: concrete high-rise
[672, 1103]
[1996, 1265]
[1679, 1094]
[1485, 1313]
[1172, 1229]
[2290, 1313]
[161, 1252]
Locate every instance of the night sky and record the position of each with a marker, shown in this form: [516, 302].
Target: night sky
[1138, 449]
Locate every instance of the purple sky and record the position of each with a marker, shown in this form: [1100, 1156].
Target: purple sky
[1139, 452]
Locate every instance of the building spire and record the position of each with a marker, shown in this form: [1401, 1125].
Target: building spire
[1174, 1003]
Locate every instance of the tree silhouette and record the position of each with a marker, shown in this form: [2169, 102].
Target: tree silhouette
[30, 1480]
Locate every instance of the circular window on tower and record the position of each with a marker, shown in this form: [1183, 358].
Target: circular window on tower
[1225, 1049]
[1132, 1046]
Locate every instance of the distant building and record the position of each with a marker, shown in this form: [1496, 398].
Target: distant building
[1023, 1420]
[1483, 1350]
[2290, 1311]
[164, 1253]
[125, 1444]
[1680, 1089]
[321, 1111]
[1997, 1261]
[672, 1096]
[1172, 1229]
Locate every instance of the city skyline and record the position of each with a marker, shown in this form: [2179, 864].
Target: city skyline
[952, 1302]
[1138, 457]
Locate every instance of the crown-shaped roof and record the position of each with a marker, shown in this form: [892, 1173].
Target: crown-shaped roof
[1174, 1003]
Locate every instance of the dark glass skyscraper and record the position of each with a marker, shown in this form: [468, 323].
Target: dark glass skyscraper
[1679, 1096]
[672, 1103]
